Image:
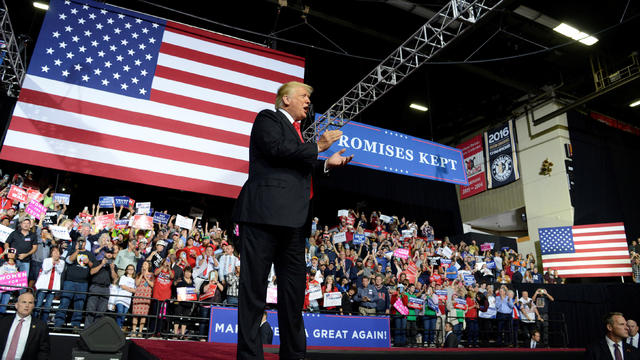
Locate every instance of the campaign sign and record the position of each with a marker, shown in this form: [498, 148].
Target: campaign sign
[106, 201]
[186, 294]
[339, 238]
[473, 152]
[386, 218]
[13, 279]
[461, 303]
[415, 303]
[35, 209]
[161, 218]
[401, 253]
[121, 224]
[446, 252]
[34, 195]
[61, 198]
[59, 232]
[358, 239]
[486, 246]
[18, 194]
[442, 294]
[104, 221]
[491, 264]
[342, 213]
[398, 305]
[272, 295]
[320, 329]
[142, 208]
[184, 222]
[4, 233]
[123, 201]
[445, 262]
[469, 280]
[332, 299]
[143, 222]
[315, 292]
[500, 155]
[394, 152]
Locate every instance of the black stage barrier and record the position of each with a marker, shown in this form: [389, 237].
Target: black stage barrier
[62, 345]
[585, 305]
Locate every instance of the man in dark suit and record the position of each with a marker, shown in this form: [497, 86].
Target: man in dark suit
[613, 346]
[450, 338]
[266, 333]
[535, 343]
[273, 212]
[23, 336]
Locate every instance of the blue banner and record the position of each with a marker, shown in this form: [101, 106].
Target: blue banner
[161, 218]
[321, 329]
[358, 239]
[62, 198]
[397, 153]
[122, 201]
[491, 265]
[469, 280]
[106, 201]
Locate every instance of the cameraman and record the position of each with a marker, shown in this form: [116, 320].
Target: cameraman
[102, 276]
[542, 299]
[77, 275]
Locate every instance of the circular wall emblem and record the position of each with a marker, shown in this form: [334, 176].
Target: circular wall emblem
[501, 167]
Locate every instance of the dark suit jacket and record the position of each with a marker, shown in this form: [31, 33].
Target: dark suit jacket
[37, 346]
[600, 351]
[451, 341]
[280, 170]
[266, 334]
[539, 345]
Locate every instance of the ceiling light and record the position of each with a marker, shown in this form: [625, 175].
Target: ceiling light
[635, 103]
[418, 107]
[40, 5]
[575, 34]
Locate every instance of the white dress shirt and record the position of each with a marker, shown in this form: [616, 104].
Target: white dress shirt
[291, 120]
[633, 340]
[533, 344]
[612, 349]
[24, 333]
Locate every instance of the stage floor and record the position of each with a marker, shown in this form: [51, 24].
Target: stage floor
[194, 350]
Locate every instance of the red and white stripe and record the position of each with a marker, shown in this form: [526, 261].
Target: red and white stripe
[193, 133]
[600, 250]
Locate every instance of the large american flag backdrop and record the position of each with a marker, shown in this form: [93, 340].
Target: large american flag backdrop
[120, 94]
[597, 250]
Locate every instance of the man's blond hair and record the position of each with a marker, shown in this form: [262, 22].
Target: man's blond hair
[287, 88]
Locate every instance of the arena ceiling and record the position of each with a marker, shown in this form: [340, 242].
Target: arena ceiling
[476, 81]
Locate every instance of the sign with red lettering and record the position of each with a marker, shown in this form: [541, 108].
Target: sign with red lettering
[143, 222]
[104, 221]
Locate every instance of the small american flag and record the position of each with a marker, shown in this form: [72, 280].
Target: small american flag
[120, 94]
[586, 250]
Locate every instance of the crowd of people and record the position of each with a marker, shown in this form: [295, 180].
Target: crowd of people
[149, 279]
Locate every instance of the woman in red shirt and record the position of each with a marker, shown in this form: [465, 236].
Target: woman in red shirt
[399, 320]
[329, 286]
[471, 317]
[162, 290]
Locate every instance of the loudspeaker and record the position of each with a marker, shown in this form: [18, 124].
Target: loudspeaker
[103, 336]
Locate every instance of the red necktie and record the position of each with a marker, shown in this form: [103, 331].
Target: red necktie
[296, 124]
[52, 277]
[13, 348]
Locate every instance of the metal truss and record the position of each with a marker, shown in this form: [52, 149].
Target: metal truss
[443, 28]
[12, 66]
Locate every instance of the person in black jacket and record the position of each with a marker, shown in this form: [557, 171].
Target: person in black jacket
[266, 333]
[274, 217]
[613, 346]
[33, 329]
[450, 338]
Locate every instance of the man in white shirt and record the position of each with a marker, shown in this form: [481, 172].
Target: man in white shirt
[634, 337]
[23, 336]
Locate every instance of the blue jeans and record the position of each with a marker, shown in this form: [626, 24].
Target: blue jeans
[399, 330]
[472, 331]
[232, 300]
[23, 266]
[121, 309]
[457, 329]
[429, 324]
[4, 300]
[44, 299]
[504, 328]
[65, 301]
